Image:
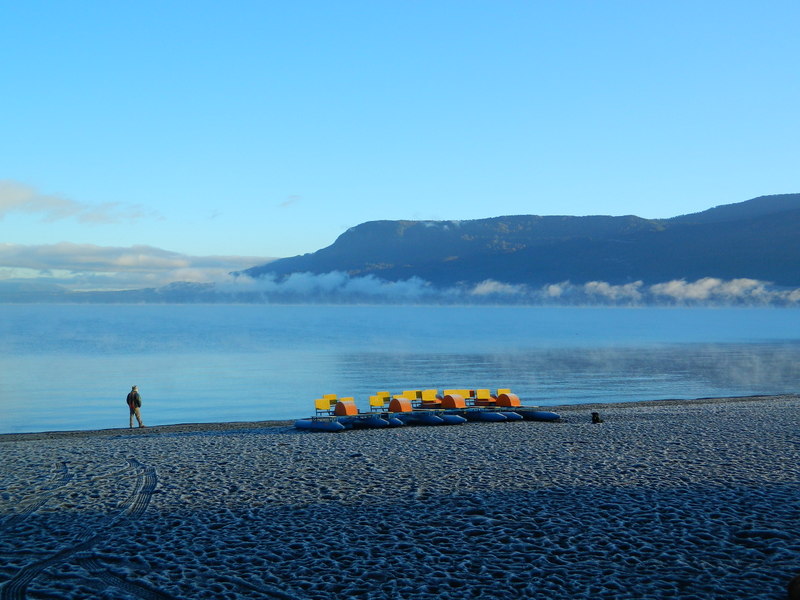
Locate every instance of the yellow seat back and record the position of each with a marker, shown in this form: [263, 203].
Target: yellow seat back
[460, 392]
[484, 394]
[503, 391]
[429, 395]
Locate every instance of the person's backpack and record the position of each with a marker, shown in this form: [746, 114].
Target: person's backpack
[134, 400]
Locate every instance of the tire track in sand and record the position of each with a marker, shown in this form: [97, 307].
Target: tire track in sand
[17, 587]
[134, 506]
[59, 479]
[146, 482]
[140, 590]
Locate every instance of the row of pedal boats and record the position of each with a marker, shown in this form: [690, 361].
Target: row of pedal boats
[453, 407]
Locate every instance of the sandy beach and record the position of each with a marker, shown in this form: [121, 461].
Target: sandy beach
[673, 499]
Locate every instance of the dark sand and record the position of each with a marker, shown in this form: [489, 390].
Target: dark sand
[672, 499]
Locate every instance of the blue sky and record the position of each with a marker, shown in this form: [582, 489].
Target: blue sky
[177, 134]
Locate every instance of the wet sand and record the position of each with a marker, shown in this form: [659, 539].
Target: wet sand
[670, 499]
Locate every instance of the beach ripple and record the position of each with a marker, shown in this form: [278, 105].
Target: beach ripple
[663, 500]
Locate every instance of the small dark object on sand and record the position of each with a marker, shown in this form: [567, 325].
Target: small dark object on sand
[596, 417]
[794, 588]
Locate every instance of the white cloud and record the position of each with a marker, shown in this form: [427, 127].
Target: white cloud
[340, 286]
[335, 284]
[709, 288]
[490, 286]
[20, 198]
[555, 290]
[628, 291]
[79, 267]
[86, 266]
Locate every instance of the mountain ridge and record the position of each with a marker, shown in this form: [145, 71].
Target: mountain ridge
[754, 239]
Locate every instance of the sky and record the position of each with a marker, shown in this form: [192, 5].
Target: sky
[148, 141]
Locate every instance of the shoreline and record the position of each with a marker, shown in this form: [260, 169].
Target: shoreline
[249, 425]
[671, 499]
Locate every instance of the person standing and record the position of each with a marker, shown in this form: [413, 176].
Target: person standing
[134, 401]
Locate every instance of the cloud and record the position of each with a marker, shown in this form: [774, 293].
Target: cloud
[554, 290]
[16, 197]
[339, 286]
[86, 266]
[335, 285]
[492, 287]
[83, 267]
[710, 288]
[290, 200]
[628, 291]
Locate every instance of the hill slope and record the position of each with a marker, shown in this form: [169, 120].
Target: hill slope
[755, 239]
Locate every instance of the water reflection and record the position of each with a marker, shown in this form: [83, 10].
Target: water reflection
[567, 375]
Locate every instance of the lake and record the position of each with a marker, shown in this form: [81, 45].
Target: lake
[68, 367]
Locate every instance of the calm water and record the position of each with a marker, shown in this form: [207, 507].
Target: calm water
[70, 367]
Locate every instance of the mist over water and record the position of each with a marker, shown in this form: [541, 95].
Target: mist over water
[70, 366]
[577, 375]
[337, 286]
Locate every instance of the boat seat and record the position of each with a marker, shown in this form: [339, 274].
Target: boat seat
[461, 392]
[414, 396]
[430, 399]
[331, 399]
[484, 397]
[322, 406]
[376, 402]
